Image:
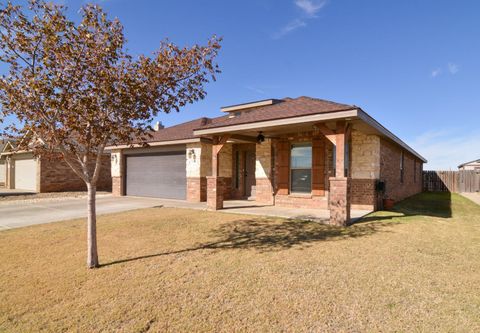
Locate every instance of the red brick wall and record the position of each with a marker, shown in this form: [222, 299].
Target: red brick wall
[227, 188]
[117, 186]
[301, 201]
[390, 155]
[363, 194]
[57, 176]
[197, 189]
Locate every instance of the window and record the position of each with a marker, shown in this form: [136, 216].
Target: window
[301, 168]
[401, 167]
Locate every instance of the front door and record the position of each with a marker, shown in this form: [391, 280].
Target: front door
[249, 173]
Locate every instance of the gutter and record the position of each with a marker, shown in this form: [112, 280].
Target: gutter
[159, 143]
[379, 127]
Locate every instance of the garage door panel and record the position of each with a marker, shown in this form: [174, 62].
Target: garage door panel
[161, 175]
[26, 174]
[3, 172]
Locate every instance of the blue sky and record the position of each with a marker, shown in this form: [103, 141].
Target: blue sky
[413, 65]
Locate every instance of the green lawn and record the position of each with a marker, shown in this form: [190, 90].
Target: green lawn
[415, 269]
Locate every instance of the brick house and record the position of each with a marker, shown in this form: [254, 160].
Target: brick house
[23, 171]
[3, 170]
[301, 152]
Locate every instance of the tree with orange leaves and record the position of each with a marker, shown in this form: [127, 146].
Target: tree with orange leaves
[74, 88]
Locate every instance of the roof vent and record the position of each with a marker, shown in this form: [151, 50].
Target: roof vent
[249, 105]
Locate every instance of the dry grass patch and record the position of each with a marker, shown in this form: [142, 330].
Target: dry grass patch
[416, 269]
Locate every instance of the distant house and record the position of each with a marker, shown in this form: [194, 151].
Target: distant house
[3, 171]
[21, 170]
[472, 165]
[295, 152]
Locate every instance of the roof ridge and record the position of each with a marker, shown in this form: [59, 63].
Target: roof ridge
[324, 100]
[477, 160]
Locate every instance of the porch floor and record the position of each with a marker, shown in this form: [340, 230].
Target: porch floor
[251, 207]
[254, 208]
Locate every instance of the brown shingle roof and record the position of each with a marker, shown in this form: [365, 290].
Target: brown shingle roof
[284, 108]
[178, 132]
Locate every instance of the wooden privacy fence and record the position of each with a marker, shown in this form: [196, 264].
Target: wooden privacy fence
[451, 181]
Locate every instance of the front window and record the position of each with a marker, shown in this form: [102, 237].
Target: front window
[301, 168]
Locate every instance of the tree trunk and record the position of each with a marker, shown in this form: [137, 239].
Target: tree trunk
[92, 255]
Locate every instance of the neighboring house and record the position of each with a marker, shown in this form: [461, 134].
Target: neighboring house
[25, 172]
[301, 152]
[472, 165]
[3, 170]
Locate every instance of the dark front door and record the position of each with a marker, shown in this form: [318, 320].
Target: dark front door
[249, 172]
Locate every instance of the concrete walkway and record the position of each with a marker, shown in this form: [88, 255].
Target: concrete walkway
[15, 214]
[249, 207]
[475, 197]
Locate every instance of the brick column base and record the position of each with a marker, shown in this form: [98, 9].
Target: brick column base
[339, 201]
[215, 189]
[117, 187]
[263, 191]
[196, 189]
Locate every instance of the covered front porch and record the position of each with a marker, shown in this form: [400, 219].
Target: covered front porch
[300, 168]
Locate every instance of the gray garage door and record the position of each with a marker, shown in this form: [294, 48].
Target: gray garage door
[161, 175]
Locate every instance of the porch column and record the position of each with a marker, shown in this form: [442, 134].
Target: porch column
[339, 199]
[10, 180]
[263, 172]
[118, 173]
[215, 183]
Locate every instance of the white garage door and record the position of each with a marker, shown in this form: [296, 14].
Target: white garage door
[3, 171]
[26, 174]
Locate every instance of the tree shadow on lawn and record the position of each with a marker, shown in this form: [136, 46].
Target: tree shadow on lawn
[268, 234]
[433, 204]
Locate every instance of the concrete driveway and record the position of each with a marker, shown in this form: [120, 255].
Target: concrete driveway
[15, 214]
[21, 213]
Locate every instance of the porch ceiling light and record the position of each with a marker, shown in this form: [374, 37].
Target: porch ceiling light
[260, 137]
